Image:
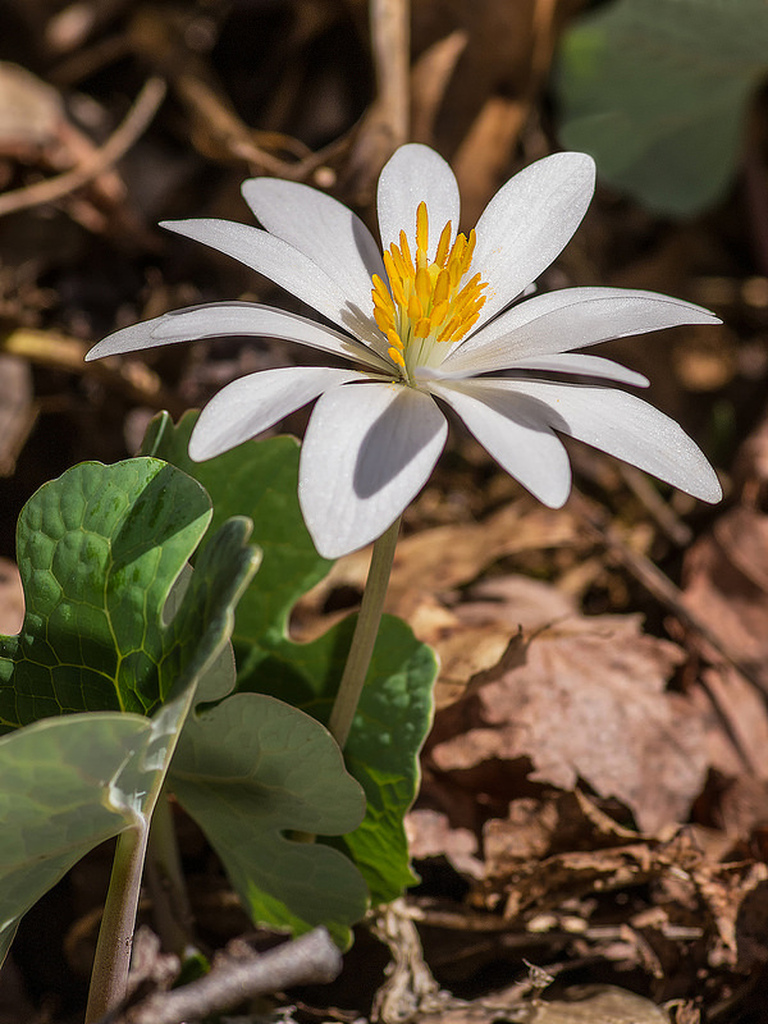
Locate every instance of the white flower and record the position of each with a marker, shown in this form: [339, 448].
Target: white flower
[431, 320]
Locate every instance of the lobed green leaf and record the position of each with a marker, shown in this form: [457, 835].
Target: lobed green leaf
[99, 550]
[396, 706]
[73, 780]
[252, 769]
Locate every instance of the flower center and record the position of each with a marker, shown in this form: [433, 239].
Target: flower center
[426, 304]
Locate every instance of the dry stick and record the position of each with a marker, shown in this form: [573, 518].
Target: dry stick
[386, 123]
[135, 124]
[226, 127]
[390, 39]
[311, 959]
[152, 38]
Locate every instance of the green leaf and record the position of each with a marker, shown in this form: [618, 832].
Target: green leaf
[382, 751]
[657, 91]
[70, 782]
[258, 480]
[253, 768]
[99, 550]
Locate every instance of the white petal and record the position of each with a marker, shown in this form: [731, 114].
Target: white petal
[414, 174]
[284, 265]
[570, 318]
[367, 452]
[326, 231]
[231, 318]
[625, 426]
[252, 404]
[586, 366]
[528, 223]
[514, 430]
[223, 319]
[135, 338]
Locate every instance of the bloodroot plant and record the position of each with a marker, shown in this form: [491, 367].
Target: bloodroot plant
[432, 317]
[122, 688]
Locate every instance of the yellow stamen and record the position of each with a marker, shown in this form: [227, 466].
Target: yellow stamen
[442, 287]
[382, 320]
[469, 252]
[406, 253]
[422, 227]
[394, 339]
[427, 302]
[380, 289]
[423, 287]
[415, 312]
[442, 246]
[439, 313]
[395, 279]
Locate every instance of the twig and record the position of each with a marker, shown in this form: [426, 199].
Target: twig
[132, 377]
[136, 122]
[386, 123]
[311, 959]
[670, 524]
[390, 39]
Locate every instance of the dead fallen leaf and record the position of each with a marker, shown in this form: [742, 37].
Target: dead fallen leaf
[31, 111]
[598, 1004]
[752, 928]
[11, 598]
[17, 410]
[587, 701]
[538, 828]
[727, 589]
[431, 835]
[436, 561]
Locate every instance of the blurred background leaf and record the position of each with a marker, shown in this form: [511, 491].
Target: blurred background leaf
[658, 91]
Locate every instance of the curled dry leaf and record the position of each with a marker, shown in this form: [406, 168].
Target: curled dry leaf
[604, 1003]
[434, 561]
[430, 835]
[727, 589]
[585, 699]
[31, 112]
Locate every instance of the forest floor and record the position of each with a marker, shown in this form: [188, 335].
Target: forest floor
[595, 787]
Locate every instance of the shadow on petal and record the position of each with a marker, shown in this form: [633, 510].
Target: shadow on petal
[407, 426]
[527, 411]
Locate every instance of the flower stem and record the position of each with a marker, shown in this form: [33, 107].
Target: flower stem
[113, 950]
[366, 630]
[172, 915]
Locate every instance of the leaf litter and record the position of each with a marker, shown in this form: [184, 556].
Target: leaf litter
[594, 795]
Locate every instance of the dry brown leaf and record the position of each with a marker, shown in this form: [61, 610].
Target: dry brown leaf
[586, 699]
[599, 1004]
[31, 111]
[436, 561]
[727, 589]
[727, 585]
[17, 410]
[11, 598]
[431, 835]
[536, 829]
[562, 848]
